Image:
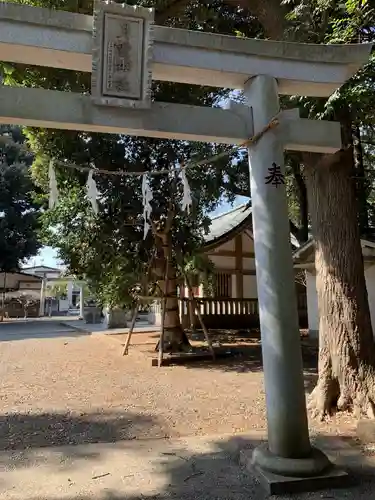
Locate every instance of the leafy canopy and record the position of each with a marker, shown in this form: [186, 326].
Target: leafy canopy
[108, 249]
[19, 213]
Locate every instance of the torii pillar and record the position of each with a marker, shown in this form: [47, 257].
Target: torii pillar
[287, 461]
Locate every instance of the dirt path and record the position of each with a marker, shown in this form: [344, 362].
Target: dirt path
[63, 389]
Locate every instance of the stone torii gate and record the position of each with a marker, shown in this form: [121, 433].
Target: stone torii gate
[124, 55]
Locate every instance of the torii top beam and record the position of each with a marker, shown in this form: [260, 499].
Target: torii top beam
[59, 39]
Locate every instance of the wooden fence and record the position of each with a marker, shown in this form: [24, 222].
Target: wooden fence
[232, 313]
[225, 313]
[222, 313]
[14, 309]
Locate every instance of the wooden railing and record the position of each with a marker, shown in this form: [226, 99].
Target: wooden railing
[215, 306]
[222, 312]
[227, 312]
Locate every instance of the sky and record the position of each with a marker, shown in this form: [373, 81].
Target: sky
[48, 256]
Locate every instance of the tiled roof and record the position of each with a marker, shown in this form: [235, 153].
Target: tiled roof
[305, 254]
[42, 267]
[228, 221]
[21, 274]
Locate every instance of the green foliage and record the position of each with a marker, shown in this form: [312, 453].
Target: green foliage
[108, 249]
[57, 290]
[19, 213]
[113, 287]
[330, 21]
[198, 268]
[101, 247]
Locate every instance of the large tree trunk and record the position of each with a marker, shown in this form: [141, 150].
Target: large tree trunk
[175, 339]
[300, 185]
[346, 346]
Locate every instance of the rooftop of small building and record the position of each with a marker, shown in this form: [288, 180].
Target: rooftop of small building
[41, 268]
[233, 221]
[305, 254]
[229, 221]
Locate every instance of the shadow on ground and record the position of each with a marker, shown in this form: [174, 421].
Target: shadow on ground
[27, 330]
[242, 352]
[20, 431]
[181, 474]
[24, 437]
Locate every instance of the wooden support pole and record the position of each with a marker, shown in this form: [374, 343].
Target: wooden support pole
[205, 331]
[132, 325]
[239, 266]
[163, 311]
[196, 307]
[190, 309]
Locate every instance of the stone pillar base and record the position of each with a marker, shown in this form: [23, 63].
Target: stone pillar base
[280, 475]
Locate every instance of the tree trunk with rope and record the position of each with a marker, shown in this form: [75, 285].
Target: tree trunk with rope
[175, 339]
[346, 345]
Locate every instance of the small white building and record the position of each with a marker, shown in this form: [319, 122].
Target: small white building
[18, 283]
[304, 259]
[44, 272]
[52, 276]
[16, 286]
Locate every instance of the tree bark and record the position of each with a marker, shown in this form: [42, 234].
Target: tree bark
[175, 339]
[346, 345]
[300, 185]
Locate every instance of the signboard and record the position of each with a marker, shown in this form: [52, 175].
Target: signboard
[122, 51]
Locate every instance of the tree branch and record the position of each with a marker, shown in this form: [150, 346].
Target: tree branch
[171, 10]
[169, 221]
[270, 13]
[237, 191]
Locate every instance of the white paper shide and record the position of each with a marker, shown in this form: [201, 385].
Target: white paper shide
[146, 201]
[186, 197]
[92, 192]
[53, 189]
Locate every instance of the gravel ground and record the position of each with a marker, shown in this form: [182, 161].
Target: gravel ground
[183, 469]
[60, 388]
